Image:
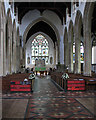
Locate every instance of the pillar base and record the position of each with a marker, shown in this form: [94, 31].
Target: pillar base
[87, 74]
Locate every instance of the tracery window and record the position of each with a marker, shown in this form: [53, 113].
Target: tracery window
[40, 49]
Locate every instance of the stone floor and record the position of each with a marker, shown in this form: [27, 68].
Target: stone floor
[47, 102]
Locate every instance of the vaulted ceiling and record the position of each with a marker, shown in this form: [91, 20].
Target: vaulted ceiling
[58, 7]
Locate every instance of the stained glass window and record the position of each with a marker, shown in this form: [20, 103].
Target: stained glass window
[81, 52]
[73, 52]
[40, 48]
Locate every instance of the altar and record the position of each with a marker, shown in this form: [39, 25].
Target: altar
[40, 67]
[40, 70]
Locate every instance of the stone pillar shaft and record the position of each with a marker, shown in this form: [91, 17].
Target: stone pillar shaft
[87, 53]
[66, 52]
[70, 58]
[55, 56]
[4, 49]
[77, 54]
[14, 56]
[1, 52]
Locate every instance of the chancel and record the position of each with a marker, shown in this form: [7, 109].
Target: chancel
[48, 59]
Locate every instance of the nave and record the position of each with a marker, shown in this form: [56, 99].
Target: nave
[47, 102]
[50, 38]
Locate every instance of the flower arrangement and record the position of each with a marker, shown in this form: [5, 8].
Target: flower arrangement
[32, 76]
[65, 76]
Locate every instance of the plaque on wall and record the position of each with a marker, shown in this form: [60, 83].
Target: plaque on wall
[28, 60]
[51, 60]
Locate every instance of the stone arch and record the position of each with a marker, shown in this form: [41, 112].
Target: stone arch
[50, 51]
[65, 47]
[70, 44]
[89, 7]
[77, 40]
[51, 25]
[8, 42]
[46, 21]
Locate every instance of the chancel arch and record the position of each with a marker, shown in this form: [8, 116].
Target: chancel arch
[52, 26]
[47, 22]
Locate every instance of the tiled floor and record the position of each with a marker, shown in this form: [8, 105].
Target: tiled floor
[89, 103]
[14, 108]
[56, 108]
[49, 103]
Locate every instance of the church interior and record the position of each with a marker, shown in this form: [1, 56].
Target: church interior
[48, 60]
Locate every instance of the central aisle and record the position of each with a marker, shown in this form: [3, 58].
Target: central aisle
[44, 84]
[47, 102]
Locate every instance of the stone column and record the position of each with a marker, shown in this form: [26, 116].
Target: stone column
[4, 46]
[9, 55]
[77, 54]
[10, 51]
[70, 68]
[14, 52]
[18, 54]
[58, 52]
[1, 51]
[55, 55]
[24, 56]
[87, 53]
[70, 44]
[66, 52]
